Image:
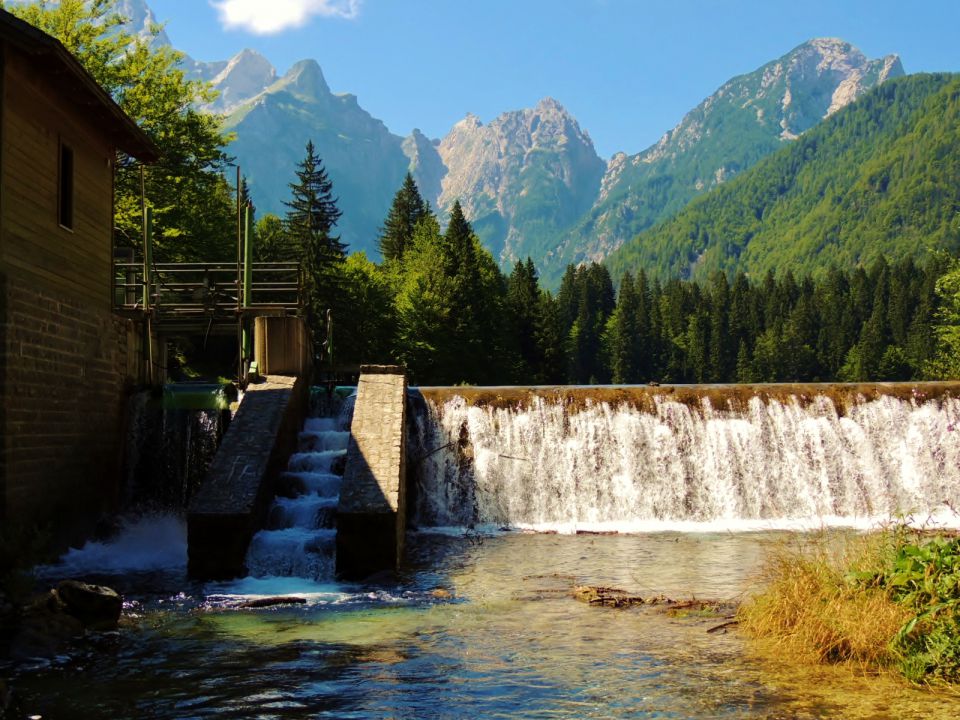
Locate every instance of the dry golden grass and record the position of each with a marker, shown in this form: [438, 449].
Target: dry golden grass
[813, 613]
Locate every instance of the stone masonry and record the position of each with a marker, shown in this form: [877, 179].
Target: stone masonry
[372, 509]
[231, 504]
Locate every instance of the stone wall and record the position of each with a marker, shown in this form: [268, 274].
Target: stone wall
[65, 369]
[371, 515]
[231, 504]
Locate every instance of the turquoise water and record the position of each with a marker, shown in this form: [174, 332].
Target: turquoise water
[476, 626]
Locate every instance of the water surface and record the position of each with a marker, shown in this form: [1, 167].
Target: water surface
[477, 626]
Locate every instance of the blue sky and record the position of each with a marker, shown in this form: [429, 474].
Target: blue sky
[628, 70]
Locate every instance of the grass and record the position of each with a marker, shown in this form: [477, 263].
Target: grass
[886, 601]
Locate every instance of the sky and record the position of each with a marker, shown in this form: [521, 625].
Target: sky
[627, 70]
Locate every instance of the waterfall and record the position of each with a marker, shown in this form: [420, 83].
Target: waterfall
[606, 466]
[171, 441]
[300, 537]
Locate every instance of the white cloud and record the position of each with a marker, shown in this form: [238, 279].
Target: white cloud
[266, 17]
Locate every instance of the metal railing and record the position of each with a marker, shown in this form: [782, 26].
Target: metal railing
[185, 290]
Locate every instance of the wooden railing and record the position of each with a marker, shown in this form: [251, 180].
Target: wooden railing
[204, 290]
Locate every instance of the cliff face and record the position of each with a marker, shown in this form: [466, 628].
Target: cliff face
[522, 179]
[747, 118]
[530, 180]
[363, 159]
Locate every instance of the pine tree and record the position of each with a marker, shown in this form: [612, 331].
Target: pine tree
[408, 209]
[622, 335]
[523, 294]
[312, 215]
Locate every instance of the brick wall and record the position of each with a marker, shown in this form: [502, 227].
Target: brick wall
[64, 373]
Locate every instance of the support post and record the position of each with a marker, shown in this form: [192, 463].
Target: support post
[147, 289]
[247, 280]
[239, 295]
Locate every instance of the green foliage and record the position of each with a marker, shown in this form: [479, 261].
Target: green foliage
[368, 331]
[312, 214]
[923, 575]
[408, 209]
[450, 302]
[272, 242]
[881, 177]
[193, 208]
[946, 363]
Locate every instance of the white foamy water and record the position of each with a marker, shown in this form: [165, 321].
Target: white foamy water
[253, 588]
[314, 462]
[773, 466]
[144, 544]
[317, 440]
[300, 537]
[319, 483]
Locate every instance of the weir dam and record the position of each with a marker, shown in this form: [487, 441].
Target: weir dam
[587, 459]
[641, 458]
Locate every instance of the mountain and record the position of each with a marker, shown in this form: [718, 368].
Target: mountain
[363, 159]
[245, 75]
[746, 119]
[426, 164]
[522, 179]
[530, 180]
[881, 177]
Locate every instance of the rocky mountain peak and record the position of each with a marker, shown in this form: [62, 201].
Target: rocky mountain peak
[306, 78]
[496, 170]
[747, 118]
[425, 164]
[247, 74]
[140, 19]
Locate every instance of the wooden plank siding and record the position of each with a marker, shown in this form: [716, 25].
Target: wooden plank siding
[67, 363]
[75, 261]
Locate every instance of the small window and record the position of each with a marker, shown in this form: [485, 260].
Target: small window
[65, 199]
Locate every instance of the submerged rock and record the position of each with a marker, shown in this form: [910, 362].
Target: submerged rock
[96, 606]
[271, 602]
[45, 628]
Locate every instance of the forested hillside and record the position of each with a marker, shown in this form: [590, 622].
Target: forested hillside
[879, 178]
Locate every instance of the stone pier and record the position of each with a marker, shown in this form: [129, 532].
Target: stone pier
[371, 516]
[231, 504]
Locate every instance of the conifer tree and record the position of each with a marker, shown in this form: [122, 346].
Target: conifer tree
[408, 209]
[622, 336]
[523, 295]
[312, 214]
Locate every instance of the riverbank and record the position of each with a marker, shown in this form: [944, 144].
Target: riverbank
[888, 601]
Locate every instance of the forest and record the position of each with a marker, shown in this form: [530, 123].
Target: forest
[439, 303]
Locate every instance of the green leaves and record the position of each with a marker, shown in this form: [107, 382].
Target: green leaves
[880, 177]
[923, 575]
[193, 215]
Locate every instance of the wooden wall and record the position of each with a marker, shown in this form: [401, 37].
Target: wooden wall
[64, 363]
[75, 262]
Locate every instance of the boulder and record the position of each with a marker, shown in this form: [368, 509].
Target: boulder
[96, 606]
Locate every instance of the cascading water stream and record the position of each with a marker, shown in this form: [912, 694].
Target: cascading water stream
[771, 465]
[300, 537]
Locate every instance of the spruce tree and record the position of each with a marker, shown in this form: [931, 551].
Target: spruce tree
[312, 214]
[408, 209]
[523, 294]
[622, 336]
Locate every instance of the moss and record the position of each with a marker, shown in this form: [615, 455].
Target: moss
[721, 398]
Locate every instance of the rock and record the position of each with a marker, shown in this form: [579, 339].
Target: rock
[272, 601]
[96, 606]
[45, 628]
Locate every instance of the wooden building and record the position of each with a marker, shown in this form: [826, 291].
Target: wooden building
[65, 366]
